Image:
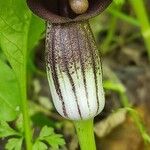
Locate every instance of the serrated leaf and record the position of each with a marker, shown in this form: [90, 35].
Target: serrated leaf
[9, 94]
[54, 140]
[6, 130]
[39, 146]
[46, 131]
[14, 144]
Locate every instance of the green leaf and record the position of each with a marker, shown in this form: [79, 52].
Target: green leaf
[14, 144]
[114, 85]
[19, 32]
[37, 27]
[19, 124]
[119, 2]
[54, 140]
[2, 56]
[46, 131]
[9, 94]
[14, 26]
[39, 146]
[6, 130]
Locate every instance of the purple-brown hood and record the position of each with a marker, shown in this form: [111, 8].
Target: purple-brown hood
[49, 10]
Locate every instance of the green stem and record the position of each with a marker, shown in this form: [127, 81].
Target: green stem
[26, 118]
[140, 11]
[114, 84]
[110, 35]
[136, 117]
[23, 87]
[85, 132]
[123, 16]
[112, 30]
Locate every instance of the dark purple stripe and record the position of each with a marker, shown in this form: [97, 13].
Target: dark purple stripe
[82, 62]
[73, 55]
[98, 52]
[92, 52]
[65, 61]
[54, 72]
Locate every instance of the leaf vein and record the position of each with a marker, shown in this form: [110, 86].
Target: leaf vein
[6, 102]
[13, 44]
[9, 25]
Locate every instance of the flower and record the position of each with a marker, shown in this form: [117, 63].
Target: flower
[72, 59]
[74, 71]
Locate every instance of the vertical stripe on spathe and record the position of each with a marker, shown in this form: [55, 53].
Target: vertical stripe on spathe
[54, 73]
[82, 66]
[68, 72]
[94, 67]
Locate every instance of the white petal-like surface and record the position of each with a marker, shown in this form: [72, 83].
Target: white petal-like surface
[74, 71]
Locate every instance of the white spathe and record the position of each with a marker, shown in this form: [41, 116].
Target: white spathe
[88, 104]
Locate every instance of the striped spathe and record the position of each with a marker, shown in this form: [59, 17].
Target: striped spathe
[74, 70]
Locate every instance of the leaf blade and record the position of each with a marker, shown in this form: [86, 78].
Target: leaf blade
[9, 100]
[14, 144]
[6, 130]
[38, 145]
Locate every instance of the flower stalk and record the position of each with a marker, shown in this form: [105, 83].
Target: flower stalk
[85, 134]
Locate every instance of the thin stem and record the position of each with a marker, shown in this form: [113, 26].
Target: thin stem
[115, 85]
[23, 87]
[123, 16]
[110, 35]
[26, 118]
[136, 117]
[111, 31]
[142, 16]
[85, 134]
